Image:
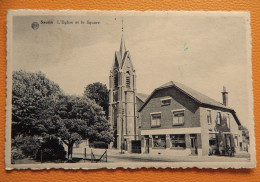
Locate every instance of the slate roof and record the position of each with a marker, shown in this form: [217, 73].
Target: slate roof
[142, 96]
[201, 98]
[119, 59]
[195, 95]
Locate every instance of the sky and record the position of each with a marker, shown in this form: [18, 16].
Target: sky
[203, 52]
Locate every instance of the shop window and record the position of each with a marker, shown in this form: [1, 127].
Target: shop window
[209, 116]
[159, 141]
[178, 141]
[156, 119]
[178, 118]
[212, 140]
[213, 144]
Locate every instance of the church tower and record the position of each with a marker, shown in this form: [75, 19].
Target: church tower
[122, 98]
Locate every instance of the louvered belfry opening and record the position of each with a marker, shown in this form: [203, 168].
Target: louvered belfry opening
[115, 79]
[128, 83]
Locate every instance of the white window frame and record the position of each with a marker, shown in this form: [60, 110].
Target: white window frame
[220, 119]
[151, 115]
[164, 99]
[228, 120]
[209, 111]
[177, 110]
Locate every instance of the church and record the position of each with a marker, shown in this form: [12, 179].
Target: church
[124, 101]
[174, 119]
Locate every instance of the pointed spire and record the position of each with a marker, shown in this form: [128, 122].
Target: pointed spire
[122, 44]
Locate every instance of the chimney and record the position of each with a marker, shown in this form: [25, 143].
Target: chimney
[225, 96]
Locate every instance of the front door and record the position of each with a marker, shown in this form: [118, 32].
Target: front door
[125, 147]
[193, 144]
[147, 145]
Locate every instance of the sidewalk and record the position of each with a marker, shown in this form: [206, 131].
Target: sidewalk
[115, 156]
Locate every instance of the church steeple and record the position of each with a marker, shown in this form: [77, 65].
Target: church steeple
[122, 98]
[122, 44]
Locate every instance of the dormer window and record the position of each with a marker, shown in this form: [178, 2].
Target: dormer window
[166, 101]
[128, 83]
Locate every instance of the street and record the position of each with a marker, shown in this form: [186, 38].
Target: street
[114, 156]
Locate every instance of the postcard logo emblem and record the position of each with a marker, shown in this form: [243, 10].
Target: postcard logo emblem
[35, 25]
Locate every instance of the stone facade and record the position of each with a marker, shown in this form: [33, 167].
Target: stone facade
[122, 99]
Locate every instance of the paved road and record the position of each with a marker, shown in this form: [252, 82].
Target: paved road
[116, 156]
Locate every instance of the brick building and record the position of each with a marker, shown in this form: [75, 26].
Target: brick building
[178, 120]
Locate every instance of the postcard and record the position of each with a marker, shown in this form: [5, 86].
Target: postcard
[129, 89]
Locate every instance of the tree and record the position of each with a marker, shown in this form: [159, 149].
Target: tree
[80, 118]
[24, 146]
[98, 92]
[32, 103]
[51, 150]
[42, 111]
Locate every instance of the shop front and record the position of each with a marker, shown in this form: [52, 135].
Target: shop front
[172, 144]
[221, 144]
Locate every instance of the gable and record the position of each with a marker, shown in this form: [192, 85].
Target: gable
[180, 100]
[127, 63]
[118, 60]
[191, 97]
[178, 103]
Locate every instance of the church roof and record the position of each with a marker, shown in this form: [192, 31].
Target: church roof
[193, 94]
[122, 45]
[122, 53]
[142, 96]
[119, 59]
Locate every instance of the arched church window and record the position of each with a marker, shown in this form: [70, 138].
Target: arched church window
[115, 78]
[128, 79]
